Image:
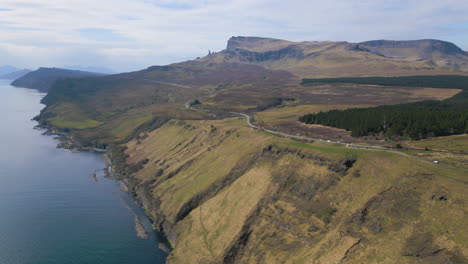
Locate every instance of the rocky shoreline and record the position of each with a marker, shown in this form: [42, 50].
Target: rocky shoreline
[142, 198]
[126, 185]
[65, 141]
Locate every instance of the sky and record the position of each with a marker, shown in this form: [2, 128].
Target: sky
[127, 35]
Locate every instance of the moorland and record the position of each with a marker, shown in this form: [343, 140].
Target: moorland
[226, 192]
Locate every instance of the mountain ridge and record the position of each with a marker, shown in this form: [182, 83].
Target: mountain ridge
[43, 78]
[243, 42]
[436, 44]
[347, 59]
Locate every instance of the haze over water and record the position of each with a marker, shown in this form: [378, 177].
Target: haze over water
[51, 210]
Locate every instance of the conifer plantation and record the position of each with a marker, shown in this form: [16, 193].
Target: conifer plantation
[414, 120]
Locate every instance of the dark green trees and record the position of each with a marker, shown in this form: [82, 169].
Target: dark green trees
[413, 120]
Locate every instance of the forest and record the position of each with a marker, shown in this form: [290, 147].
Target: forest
[433, 81]
[412, 120]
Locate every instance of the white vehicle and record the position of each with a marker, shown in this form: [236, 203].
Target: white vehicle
[435, 161]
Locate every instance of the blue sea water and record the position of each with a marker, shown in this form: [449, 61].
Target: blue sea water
[51, 209]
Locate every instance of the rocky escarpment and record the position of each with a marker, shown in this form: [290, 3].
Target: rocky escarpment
[224, 193]
[252, 56]
[344, 59]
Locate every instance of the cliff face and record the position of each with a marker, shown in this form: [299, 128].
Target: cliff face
[343, 59]
[224, 193]
[259, 57]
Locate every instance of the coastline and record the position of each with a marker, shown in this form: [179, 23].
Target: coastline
[65, 141]
[143, 202]
[57, 187]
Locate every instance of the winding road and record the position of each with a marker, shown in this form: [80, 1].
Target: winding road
[247, 118]
[368, 147]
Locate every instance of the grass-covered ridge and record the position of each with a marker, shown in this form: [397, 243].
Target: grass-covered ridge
[414, 120]
[219, 184]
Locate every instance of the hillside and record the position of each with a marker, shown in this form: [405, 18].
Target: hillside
[251, 74]
[93, 107]
[96, 69]
[15, 75]
[43, 78]
[426, 49]
[224, 191]
[343, 59]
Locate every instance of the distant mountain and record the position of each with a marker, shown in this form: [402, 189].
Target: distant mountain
[439, 53]
[15, 75]
[344, 59]
[89, 69]
[43, 78]
[5, 69]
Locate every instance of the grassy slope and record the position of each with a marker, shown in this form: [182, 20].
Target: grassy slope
[451, 150]
[226, 193]
[87, 107]
[108, 109]
[295, 201]
[289, 114]
[324, 97]
[452, 143]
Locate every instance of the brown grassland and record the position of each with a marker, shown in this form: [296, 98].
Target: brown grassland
[223, 192]
[219, 181]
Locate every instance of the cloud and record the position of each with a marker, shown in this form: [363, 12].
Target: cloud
[133, 34]
[101, 34]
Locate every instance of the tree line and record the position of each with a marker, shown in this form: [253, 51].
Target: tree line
[412, 120]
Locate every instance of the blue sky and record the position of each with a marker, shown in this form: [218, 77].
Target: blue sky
[129, 35]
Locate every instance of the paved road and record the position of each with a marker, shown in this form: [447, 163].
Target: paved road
[368, 147]
[247, 117]
[167, 83]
